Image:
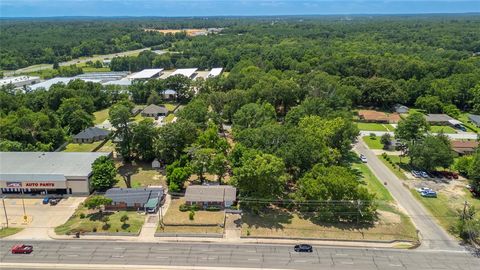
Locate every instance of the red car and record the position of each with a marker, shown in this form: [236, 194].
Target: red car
[22, 249]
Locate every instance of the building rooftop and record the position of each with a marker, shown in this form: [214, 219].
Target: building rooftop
[464, 144]
[371, 115]
[91, 132]
[438, 117]
[17, 79]
[474, 118]
[41, 164]
[214, 72]
[121, 82]
[219, 193]
[146, 73]
[103, 76]
[48, 83]
[187, 72]
[131, 196]
[155, 109]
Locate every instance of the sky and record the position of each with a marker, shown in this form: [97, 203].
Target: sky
[180, 8]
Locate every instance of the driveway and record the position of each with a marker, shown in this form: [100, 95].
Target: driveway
[41, 218]
[432, 235]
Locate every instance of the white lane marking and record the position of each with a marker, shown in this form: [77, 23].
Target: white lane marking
[346, 262]
[253, 259]
[72, 255]
[161, 257]
[117, 256]
[396, 265]
[119, 248]
[75, 247]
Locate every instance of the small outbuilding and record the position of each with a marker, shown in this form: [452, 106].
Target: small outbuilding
[401, 109]
[204, 196]
[155, 111]
[90, 135]
[169, 94]
[475, 119]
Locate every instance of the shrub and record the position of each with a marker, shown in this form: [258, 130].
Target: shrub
[213, 208]
[191, 215]
[82, 215]
[373, 136]
[184, 208]
[94, 229]
[194, 207]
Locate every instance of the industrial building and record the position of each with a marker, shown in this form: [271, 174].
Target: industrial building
[187, 72]
[48, 83]
[147, 74]
[19, 81]
[214, 72]
[47, 172]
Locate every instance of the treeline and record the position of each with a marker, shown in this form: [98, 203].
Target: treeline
[43, 120]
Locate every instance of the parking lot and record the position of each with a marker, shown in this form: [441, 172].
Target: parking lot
[40, 217]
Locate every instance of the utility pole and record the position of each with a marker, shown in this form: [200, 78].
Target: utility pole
[465, 204]
[5, 210]
[23, 204]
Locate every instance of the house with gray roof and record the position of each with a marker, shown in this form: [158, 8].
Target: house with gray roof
[438, 119]
[214, 195]
[90, 135]
[154, 111]
[401, 109]
[135, 198]
[475, 119]
[169, 94]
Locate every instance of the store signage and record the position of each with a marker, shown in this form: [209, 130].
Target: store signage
[40, 185]
[14, 184]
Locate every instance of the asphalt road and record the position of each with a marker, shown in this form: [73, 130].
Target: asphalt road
[433, 236]
[228, 256]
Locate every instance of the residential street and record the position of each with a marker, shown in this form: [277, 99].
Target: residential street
[433, 237]
[123, 255]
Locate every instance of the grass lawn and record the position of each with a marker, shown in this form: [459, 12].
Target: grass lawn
[390, 127]
[92, 220]
[100, 116]
[138, 118]
[372, 183]
[170, 106]
[371, 126]
[169, 118]
[445, 129]
[9, 231]
[394, 168]
[142, 175]
[373, 143]
[107, 147]
[176, 221]
[84, 147]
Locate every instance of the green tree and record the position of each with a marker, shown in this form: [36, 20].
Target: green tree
[254, 115]
[94, 202]
[120, 116]
[195, 111]
[431, 104]
[154, 98]
[173, 138]
[124, 218]
[103, 174]
[144, 135]
[386, 140]
[260, 177]
[177, 178]
[431, 152]
[474, 172]
[336, 195]
[412, 128]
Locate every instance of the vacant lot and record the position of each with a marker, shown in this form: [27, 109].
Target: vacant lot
[391, 224]
[141, 175]
[100, 116]
[92, 219]
[176, 221]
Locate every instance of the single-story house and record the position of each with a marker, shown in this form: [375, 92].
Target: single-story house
[155, 111]
[136, 110]
[135, 198]
[217, 195]
[401, 109]
[475, 119]
[464, 147]
[378, 117]
[91, 134]
[169, 94]
[438, 119]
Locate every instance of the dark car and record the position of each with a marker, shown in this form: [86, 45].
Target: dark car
[303, 248]
[54, 201]
[22, 249]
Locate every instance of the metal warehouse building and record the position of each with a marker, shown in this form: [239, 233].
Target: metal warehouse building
[46, 172]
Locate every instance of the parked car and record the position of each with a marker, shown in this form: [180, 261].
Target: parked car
[429, 194]
[416, 174]
[22, 249]
[303, 248]
[461, 127]
[363, 158]
[424, 174]
[54, 201]
[46, 200]
[422, 189]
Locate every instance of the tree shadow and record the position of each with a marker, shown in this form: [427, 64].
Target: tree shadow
[272, 218]
[126, 171]
[125, 226]
[97, 216]
[338, 224]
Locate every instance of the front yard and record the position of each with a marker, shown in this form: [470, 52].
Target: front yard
[444, 129]
[176, 221]
[81, 147]
[9, 231]
[100, 116]
[371, 126]
[391, 225]
[85, 220]
[373, 142]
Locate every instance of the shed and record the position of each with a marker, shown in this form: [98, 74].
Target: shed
[169, 94]
[91, 134]
[204, 196]
[155, 111]
[156, 164]
[401, 109]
